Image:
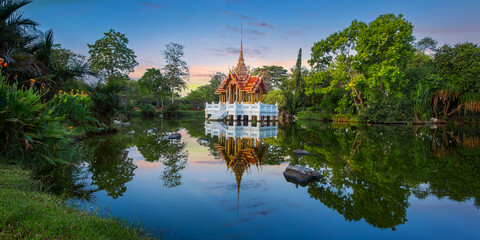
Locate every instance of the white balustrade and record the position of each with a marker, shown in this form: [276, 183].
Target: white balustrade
[240, 109]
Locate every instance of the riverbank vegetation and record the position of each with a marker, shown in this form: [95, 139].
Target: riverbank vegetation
[45, 106]
[28, 213]
[44, 97]
[378, 73]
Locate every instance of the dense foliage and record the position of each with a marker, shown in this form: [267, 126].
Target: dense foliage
[29, 129]
[375, 71]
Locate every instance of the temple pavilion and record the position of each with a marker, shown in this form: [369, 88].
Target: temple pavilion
[241, 96]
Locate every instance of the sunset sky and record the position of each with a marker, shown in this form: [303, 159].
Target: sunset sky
[273, 31]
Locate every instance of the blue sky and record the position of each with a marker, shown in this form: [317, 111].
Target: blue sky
[273, 31]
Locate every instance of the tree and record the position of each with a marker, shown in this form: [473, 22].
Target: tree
[17, 34]
[13, 27]
[106, 101]
[205, 93]
[383, 50]
[276, 97]
[110, 56]
[459, 68]
[332, 62]
[422, 79]
[62, 66]
[367, 61]
[216, 80]
[154, 82]
[176, 69]
[427, 43]
[299, 94]
[275, 77]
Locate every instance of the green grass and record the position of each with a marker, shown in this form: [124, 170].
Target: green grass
[27, 213]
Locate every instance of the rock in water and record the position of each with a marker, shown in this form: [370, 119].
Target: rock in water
[123, 124]
[300, 152]
[175, 136]
[300, 173]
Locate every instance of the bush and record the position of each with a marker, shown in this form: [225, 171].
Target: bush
[389, 110]
[29, 130]
[75, 107]
[147, 110]
[105, 101]
[170, 110]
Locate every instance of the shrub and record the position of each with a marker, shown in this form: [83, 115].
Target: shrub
[147, 110]
[75, 107]
[389, 110]
[105, 101]
[170, 110]
[29, 131]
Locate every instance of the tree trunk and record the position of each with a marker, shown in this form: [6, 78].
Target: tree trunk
[456, 109]
[161, 98]
[173, 93]
[416, 119]
[158, 104]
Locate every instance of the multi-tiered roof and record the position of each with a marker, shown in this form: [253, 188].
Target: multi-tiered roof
[243, 79]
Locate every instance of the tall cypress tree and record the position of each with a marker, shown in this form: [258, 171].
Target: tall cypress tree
[298, 103]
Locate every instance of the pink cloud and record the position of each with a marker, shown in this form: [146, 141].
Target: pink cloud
[140, 70]
[201, 74]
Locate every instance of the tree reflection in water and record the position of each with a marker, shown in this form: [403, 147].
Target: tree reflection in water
[369, 172]
[109, 164]
[155, 146]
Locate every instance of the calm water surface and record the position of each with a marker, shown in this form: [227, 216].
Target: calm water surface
[226, 182]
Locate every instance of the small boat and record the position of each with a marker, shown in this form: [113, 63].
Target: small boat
[300, 174]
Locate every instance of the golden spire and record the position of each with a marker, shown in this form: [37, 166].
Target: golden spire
[238, 170]
[241, 69]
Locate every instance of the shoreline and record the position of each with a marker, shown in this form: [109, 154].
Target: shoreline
[27, 212]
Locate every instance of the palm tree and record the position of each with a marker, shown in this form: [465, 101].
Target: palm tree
[30, 54]
[13, 27]
[16, 33]
[61, 65]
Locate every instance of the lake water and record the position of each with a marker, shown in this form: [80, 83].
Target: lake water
[225, 181]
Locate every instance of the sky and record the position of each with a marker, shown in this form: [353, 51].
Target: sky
[273, 31]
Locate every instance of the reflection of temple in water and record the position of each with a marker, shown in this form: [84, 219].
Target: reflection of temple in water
[240, 145]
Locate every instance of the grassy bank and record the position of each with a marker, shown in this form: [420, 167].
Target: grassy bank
[27, 213]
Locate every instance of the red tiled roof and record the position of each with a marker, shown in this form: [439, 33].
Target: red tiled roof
[245, 83]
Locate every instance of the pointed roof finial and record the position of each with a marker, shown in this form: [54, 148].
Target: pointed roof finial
[241, 69]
